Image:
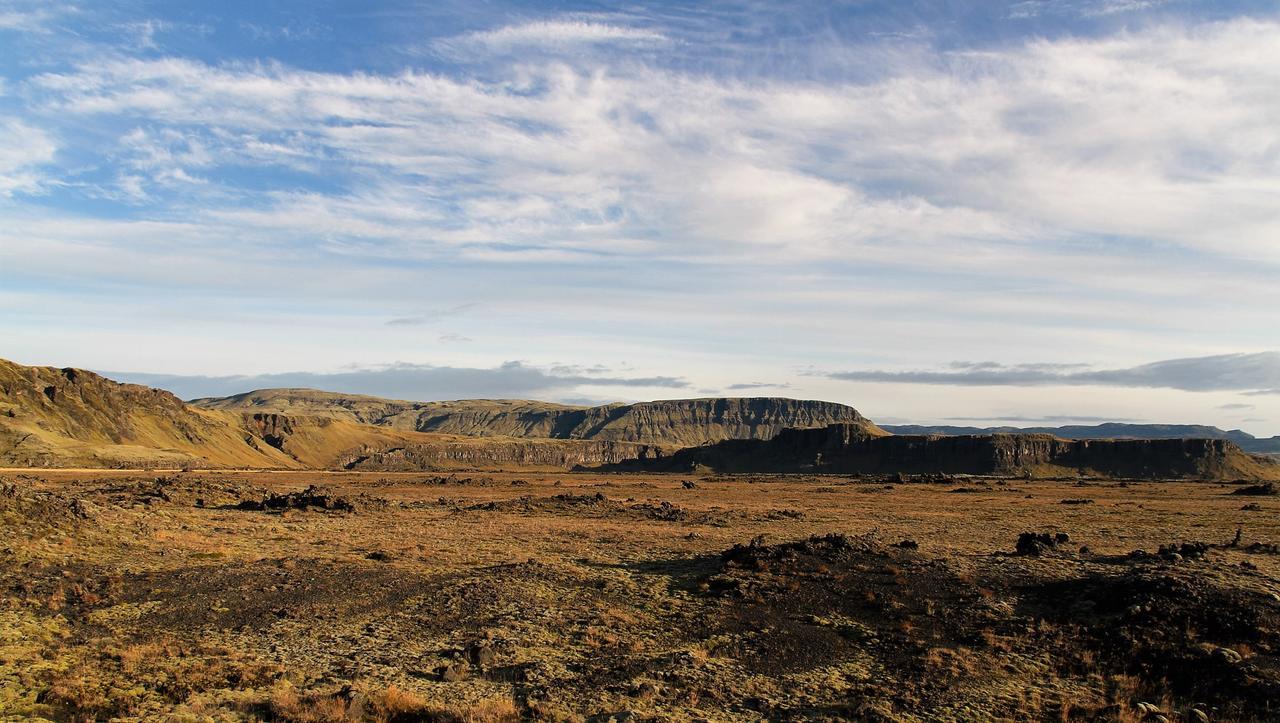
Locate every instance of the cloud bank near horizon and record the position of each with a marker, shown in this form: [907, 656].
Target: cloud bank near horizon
[413, 382]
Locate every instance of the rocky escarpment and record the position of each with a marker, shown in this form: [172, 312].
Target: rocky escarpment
[676, 422]
[495, 453]
[680, 422]
[841, 448]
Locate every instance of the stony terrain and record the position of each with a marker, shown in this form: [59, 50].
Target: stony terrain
[493, 596]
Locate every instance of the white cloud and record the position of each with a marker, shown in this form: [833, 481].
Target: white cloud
[1164, 136]
[554, 34]
[24, 150]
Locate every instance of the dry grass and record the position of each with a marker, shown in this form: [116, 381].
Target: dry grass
[387, 705]
[583, 613]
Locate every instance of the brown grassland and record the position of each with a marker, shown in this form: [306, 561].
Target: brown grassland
[495, 596]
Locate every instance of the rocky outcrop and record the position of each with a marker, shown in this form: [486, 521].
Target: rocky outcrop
[842, 448]
[676, 422]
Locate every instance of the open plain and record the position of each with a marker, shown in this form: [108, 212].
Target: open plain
[485, 596]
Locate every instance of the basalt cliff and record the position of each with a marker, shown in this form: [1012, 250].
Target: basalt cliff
[672, 422]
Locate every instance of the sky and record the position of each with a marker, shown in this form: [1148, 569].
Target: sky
[995, 212]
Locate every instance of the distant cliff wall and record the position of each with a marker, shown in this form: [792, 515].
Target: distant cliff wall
[841, 448]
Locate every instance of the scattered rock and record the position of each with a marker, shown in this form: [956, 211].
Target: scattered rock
[1251, 507]
[689, 485]
[909, 545]
[1185, 550]
[1227, 655]
[1034, 544]
[1077, 501]
[1259, 490]
[452, 672]
[313, 496]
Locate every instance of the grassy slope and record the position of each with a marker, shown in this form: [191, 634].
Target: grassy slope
[66, 417]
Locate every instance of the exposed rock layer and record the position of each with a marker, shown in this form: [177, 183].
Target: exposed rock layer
[677, 422]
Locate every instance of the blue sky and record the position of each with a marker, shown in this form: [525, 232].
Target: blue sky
[933, 211]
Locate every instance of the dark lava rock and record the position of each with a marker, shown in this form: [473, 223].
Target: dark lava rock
[313, 496]
[909, 545]
[452, 673]
[480, 654]
[1034, 544]
[1184, 551]
[1078, 501]
[689, 485]
[1262, 490]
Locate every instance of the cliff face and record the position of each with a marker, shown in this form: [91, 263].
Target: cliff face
[496, 454]
[841, 448]
[680, 422]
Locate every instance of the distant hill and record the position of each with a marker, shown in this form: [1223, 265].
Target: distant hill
[72, 417]
[677, 422]
[1110, 430]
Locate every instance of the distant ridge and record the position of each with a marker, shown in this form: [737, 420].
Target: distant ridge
[844, 449]
[674, 422]
[51, 417]
[1108, 430]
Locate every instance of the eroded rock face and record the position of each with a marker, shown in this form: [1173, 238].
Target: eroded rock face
[676, 422]
[845, 448]
[562, 454]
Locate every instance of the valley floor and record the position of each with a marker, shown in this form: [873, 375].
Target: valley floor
[497, 596]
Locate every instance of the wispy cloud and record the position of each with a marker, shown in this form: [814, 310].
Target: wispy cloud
[433, 316]
[24, 151]
[743, 386]
[1047, 419]
[1212, 373]
[551, 34]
